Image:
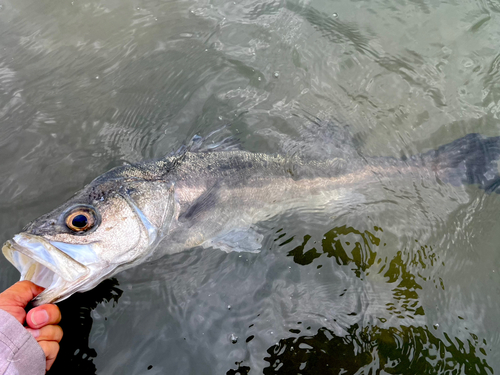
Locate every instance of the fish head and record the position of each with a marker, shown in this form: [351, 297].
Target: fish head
[94, 235]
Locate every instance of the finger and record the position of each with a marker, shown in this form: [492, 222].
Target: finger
[20, 293]
[50, 348]
[47, 333]
[43, 315]
[14, 299]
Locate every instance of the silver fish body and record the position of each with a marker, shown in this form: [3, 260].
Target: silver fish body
[137, 213]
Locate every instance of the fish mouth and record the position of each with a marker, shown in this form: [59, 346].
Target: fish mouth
[45, 265]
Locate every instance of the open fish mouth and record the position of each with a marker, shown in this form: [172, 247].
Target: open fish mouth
[45, 265]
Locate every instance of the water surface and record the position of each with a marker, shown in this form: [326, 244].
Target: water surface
[402, 283]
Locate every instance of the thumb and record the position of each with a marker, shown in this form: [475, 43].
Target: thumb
[14, 299]
[20, 294]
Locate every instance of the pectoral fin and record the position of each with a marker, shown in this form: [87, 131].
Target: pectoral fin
[203, 204]
[238, 239]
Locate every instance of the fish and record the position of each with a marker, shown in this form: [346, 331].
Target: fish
[214, 197]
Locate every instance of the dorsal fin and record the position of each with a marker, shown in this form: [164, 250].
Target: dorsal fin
[208, 143]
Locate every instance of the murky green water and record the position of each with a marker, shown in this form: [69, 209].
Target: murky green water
[409, 285]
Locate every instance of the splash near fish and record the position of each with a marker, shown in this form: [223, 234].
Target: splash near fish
[213, 197]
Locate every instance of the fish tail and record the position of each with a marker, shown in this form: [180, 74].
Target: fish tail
[471, 160]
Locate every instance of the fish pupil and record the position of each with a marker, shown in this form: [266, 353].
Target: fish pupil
[79, 221]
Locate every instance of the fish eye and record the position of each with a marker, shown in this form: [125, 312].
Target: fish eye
[80, 219]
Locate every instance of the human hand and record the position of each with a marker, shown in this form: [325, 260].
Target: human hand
[42, 320]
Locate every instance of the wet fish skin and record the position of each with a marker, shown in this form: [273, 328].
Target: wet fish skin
[213, 199]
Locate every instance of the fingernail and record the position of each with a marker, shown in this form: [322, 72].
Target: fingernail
[39, 317]
[34, 332]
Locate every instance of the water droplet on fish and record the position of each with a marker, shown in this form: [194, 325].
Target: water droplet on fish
[97, 77]
[233, 338]
[206, 49]
[335, 15]
[259, 79]
[229, 307]
[220, 118]
[436, 326]
[276, 74]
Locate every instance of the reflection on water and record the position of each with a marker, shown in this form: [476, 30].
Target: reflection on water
[409, 350]
[359, 249]
[335, 244]
[406, 349]
[75, 353]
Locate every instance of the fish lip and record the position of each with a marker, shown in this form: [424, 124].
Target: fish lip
[42, 253]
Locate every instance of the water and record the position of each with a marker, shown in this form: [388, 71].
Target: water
[407, 285]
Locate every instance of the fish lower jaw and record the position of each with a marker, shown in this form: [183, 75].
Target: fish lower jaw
[55, 285]
[40, 275]
[52, 293]
[61, 289]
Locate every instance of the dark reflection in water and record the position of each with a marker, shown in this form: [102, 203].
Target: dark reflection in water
[241, 370]
[367, 348]
[409, 350]
[349, 246]
[75, 353]
[361, 253]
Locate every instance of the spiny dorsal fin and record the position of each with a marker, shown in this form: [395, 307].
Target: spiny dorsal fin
[208, 144]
